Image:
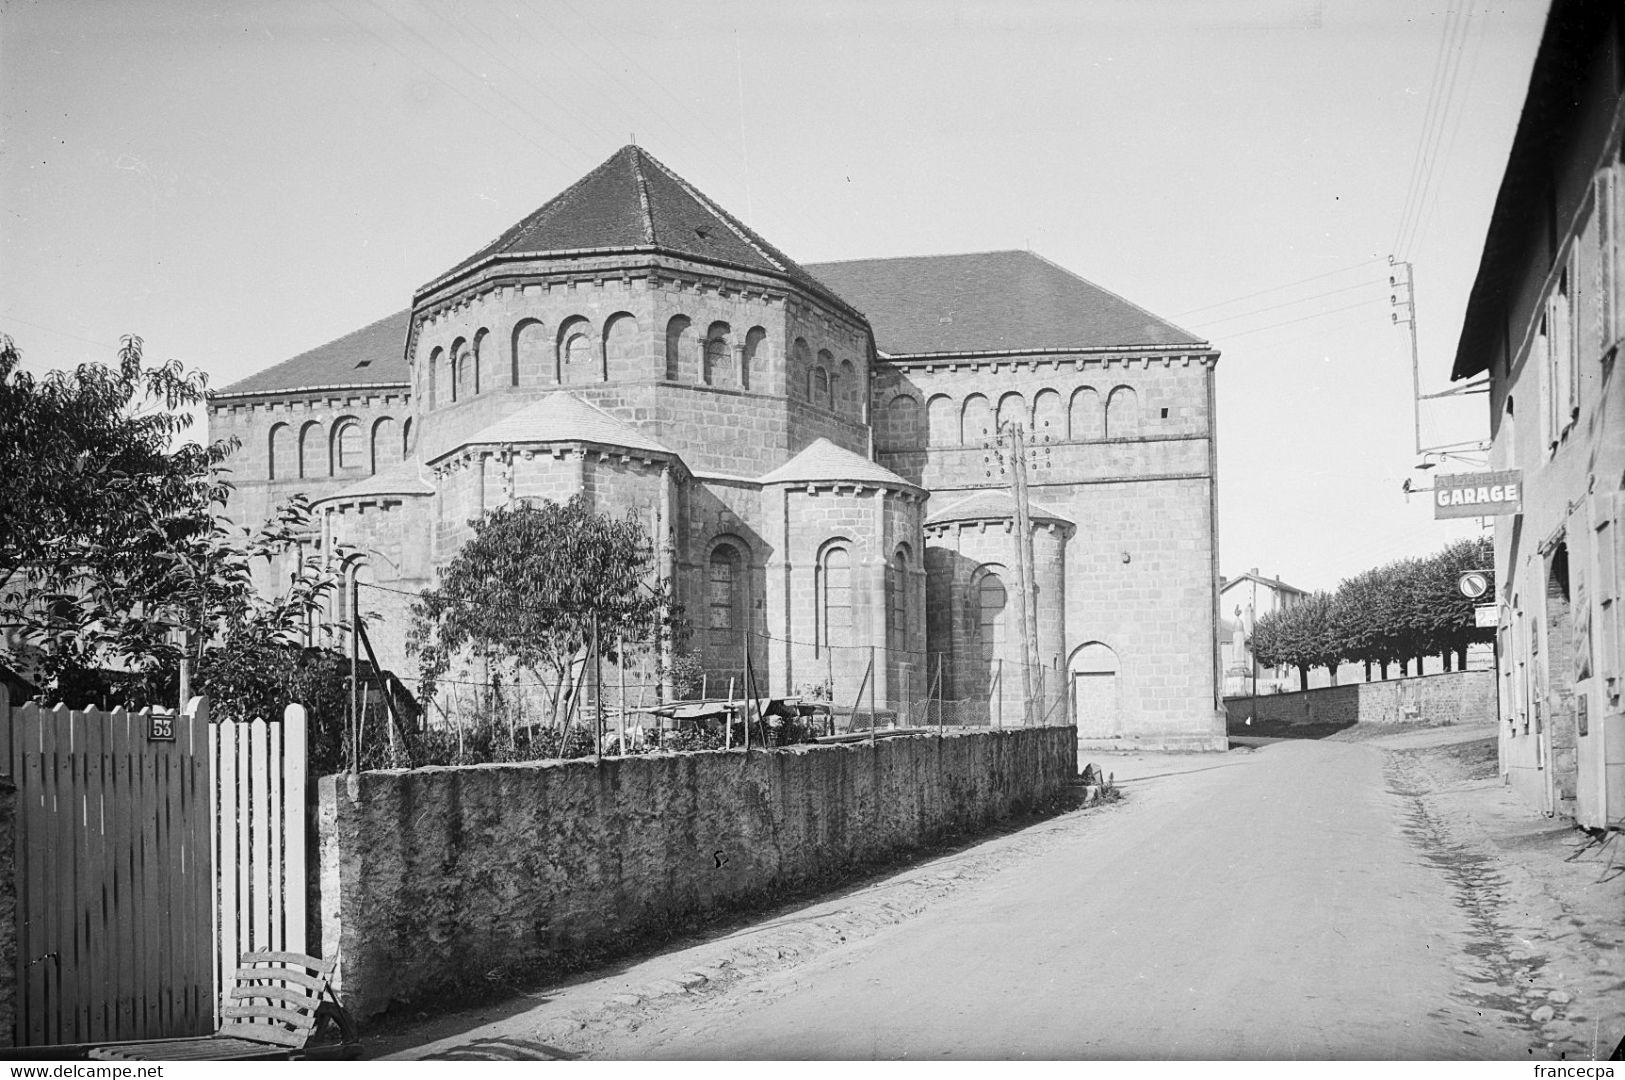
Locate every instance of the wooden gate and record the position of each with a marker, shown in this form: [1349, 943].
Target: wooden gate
[124, 929]
[114, 874]
[259, 836]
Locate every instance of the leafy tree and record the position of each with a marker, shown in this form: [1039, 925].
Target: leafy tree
[115, 560]
[1302, 636]
[1410, 608]
[1445, 615]
[525, 590]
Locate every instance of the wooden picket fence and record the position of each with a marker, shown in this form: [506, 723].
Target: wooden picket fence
[259, 841]
[124, 928]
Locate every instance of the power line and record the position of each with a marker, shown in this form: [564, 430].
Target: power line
[1441, 98]
[1306, 318]
[541, 124]
[1290, 303]
[1440, 118]
[1455, 127]
[1280, 288]
[1421, 138]
[528, 138]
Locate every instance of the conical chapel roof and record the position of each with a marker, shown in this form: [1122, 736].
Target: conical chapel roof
[634, 203]
[563, 417]
[824, 462]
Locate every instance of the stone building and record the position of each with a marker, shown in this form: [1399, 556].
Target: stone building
[814, 448]
[1544, 325]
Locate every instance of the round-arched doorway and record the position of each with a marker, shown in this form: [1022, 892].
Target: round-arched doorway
[1096, 705]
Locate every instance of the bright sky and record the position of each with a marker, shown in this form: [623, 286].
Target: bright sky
[240, 181]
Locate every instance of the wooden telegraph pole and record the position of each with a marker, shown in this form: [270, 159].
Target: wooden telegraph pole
[1026, 590]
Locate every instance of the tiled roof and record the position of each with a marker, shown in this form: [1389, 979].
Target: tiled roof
[992, 505]
[633, 201]
[823, 462]
[995, 301]
[403, 479]
[563, 417]
[1269, 583]
[372, 355]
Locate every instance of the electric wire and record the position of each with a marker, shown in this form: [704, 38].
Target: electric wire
[529, 138]
[1421, 136]
[540, 123]
[1280, 288]
[1290, 303]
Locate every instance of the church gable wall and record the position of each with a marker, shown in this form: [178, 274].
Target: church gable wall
[1140, 580]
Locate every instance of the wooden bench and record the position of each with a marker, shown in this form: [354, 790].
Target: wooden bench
[281, 1006]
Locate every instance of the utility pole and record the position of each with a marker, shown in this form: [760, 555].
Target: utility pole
[1026, 606]
[1404, 299]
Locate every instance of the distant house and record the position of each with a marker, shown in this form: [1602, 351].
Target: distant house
[1242, 601]
[1543, 329]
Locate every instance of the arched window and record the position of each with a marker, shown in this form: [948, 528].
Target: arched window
[385, 444]
[531, 363]
[835, 596]
[1122, 413]
[851, 396]
[679, 334]
[942, 421]
[991, 602]
[800, 377]
[976, 425]
[406, 437]
[754, 369]
[279, 453]
[576, 360]
[578, 365]
[899, 427]
[312, 461]
[435, 360]
[723, 589]
[356, 571]
[1012, 410]
[1087, 420]
[349, 448]
[482, 361]
[621, 353]
[461, 382]
[719, 368]
[897, 588]
[818, 387]
[1049, 416]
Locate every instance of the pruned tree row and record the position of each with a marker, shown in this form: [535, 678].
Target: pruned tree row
[1390, 615]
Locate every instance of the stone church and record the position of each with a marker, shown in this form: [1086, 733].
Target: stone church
[814, 448]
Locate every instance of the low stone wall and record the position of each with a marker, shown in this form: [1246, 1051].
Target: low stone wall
[1456, 697]
[436, 878]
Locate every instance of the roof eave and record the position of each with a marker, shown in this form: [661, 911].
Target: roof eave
[237, 395]
[463, 274]
[1201, 347]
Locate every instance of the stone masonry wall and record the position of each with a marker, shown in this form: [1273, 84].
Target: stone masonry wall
[1456, 697]
[436, 878]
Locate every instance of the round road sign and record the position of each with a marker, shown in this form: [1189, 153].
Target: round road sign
[1474, 583]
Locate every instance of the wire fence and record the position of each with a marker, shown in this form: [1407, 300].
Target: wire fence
[718, 690]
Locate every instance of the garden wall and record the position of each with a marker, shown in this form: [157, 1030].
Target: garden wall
[437, 878]
[1456, 697]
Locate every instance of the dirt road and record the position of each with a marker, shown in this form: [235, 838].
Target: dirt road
[1287, 903]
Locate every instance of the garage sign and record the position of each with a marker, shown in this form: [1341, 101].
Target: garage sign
[1478, 494]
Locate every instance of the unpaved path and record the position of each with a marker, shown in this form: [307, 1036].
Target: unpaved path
[1307, 900]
